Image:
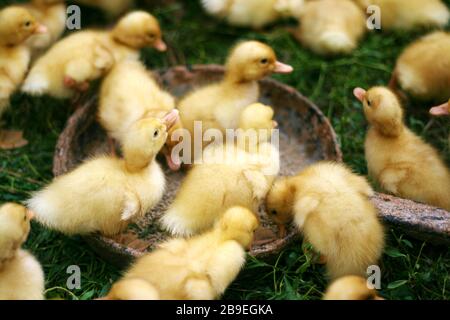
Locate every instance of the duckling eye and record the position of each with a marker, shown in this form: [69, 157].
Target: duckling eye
[151, 35]
[274, 212]
[369, 103]
[264, 61]
[156, 134]
[27, 23]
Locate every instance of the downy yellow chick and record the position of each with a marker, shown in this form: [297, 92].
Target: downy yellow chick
[113, 8]
[219, 105]
[330, 206]
[230, 174]
[252, 13]
[21, 275]
[130, 93]
[52, 14]
[401, 162]
[351, 288]
[252, 138]
[328, 34]
[199, 268]
[423, 68]
[409, 14]
[87, 55]
[106, 193]
[16, 26]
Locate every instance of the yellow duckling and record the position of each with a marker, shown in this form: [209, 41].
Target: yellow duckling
[16, 26]
[252, 13]
[113, 8]
[328, 34]
[87, 55]
[220, 105]
[401, 162]
[106, 193]
[409, 14]
[330, 205]
[230, 174]
[21, 275]
[130, 93]
[199, 268]
[351, 288]
[422, 69]
[252, 138]
[53, 15]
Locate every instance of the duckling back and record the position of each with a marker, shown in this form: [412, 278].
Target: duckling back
[206, 192]
[243, 13]
[99, 195]
[341, 222]
[414, 170]
[333, 33]
[423, 68]
[129, 93]
[22, 278]
[410, 14]
[83, 56]
[201, 267]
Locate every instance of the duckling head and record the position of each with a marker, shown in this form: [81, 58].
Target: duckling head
[351, 288]
[14, 228]
[382, 110]
[252, 61]
[145, 139]
[280, 202]
[239, 224]
[138, 30]
[442, 110]
[17, 25]
[132, 289]
[258, 117]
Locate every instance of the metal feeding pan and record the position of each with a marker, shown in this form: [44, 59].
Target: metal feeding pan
[306, 136]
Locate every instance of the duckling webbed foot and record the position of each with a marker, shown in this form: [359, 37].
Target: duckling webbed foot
[12, 139]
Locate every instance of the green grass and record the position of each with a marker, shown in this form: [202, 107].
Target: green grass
[411, 269]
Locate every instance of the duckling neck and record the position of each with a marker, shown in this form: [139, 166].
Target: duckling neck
[234, 78]
[137, 163]
[5, 261]
[393, 130]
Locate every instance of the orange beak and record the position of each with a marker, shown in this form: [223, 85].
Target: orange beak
[282, 68]
[160, 45]
[442, 110]
[40, 29]
[171, 118]
[360, 94]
